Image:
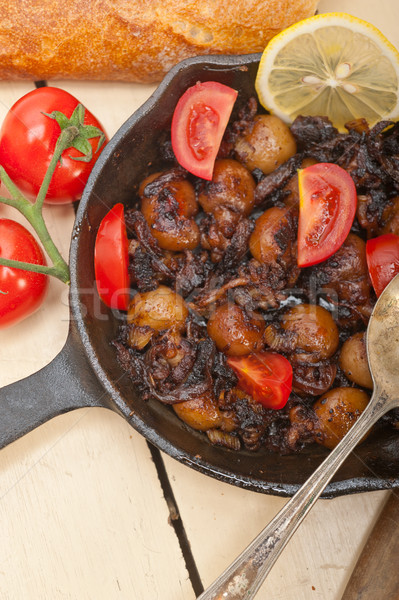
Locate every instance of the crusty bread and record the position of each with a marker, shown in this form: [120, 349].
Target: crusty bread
[132, 40]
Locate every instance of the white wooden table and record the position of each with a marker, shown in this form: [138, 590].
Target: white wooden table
[82, 509]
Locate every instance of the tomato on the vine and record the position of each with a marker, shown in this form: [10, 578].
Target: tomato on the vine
[21, 292]
[111, 259]
[198, 124]
[382, 255]
[27, 140]
[266, 376]
[327, 208]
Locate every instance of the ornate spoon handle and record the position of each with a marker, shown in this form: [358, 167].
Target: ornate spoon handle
[243, 578]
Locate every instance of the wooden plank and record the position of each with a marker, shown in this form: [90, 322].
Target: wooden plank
[378, 578]
[221, 520]
[383, 14]
[83, 513]
[82, 509]
[112, 103]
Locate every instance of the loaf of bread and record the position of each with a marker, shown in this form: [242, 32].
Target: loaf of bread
[132, 40]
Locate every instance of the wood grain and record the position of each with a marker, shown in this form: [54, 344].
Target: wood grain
[222, 520]
[83, 516]
[82, 513]
[376, 574]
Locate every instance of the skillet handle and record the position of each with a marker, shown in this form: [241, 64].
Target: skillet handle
[66, 383]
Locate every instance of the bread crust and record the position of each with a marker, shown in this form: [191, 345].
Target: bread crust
[132, 40]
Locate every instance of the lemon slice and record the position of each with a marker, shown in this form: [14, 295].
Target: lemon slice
[333, 65]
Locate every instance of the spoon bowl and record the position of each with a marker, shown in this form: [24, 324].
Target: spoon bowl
[243, 578]
[383, 347]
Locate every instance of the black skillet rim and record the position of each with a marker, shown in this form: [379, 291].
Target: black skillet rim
[334, 488]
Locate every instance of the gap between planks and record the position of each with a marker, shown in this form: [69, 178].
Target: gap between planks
[175, 519]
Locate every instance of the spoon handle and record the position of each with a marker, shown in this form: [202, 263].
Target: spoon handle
[243, 578]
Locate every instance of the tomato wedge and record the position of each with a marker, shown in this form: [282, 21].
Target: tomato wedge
[198, 124]
[111, 259]
[266, 376]
[327, 207]
[382, 255]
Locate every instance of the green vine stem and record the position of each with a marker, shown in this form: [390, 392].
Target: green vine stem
[73, 134]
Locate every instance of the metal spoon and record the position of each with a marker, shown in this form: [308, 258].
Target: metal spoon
[243, 578]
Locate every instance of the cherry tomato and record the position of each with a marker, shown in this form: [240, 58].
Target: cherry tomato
[382, 255]
[327, 207]
[27, 142]
[111, 260]
[199, 121]
[21, 292]
[266, 376]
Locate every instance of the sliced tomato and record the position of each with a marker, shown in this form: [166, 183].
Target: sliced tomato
[111, 259]
[327, 207]
[382, 255]
[266, 376]
[199, 122]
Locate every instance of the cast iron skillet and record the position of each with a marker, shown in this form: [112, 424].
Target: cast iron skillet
[86, 372]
